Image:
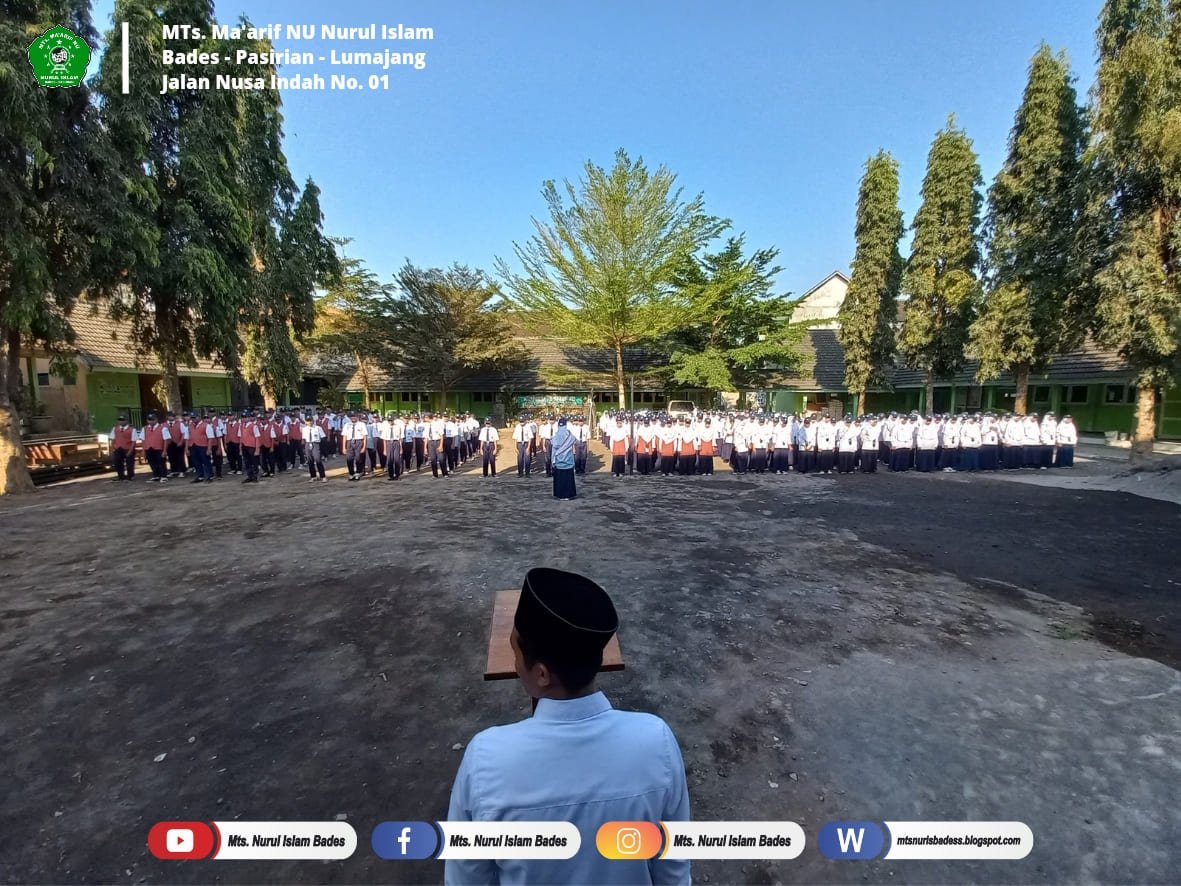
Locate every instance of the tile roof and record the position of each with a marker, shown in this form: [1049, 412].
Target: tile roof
[103, 343]
[823, 364]
[1088, 363]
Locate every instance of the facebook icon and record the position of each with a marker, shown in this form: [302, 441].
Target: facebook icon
[405, 840]
[850, 840]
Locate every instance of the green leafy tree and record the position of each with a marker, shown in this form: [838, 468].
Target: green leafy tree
[940, 279]
[302, 259]
[739, 332]
[1031, 311]
[58, 199]
[868, 313]
[347, 335]
[604, 271]
[190, 230]
[1134, 173]
[444, 326]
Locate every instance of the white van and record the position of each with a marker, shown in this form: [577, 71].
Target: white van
[679, 408]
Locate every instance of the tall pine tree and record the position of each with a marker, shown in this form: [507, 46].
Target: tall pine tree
[1135, 202]
[58, 203]
[870, 307]
[941, 275]
[190, 231]
[1032, 311]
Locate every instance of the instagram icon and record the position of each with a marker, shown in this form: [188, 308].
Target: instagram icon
[629, 840]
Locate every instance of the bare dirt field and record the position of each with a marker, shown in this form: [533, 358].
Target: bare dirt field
[863, 647]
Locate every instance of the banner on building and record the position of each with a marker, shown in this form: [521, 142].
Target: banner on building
[537, 400]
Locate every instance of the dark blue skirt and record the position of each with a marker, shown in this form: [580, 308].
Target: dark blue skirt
[564, 483]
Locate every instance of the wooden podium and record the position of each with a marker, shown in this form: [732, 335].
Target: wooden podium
[501, 664]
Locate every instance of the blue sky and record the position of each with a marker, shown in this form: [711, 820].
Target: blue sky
[769, 109]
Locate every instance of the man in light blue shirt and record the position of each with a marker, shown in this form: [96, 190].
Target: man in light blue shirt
[577, 759]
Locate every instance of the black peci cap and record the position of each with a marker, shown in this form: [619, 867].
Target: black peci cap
[563, 616]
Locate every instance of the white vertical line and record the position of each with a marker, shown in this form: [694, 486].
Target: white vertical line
[126, 62]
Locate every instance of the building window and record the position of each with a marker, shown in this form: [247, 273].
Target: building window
[1078, 394]
[415, 397]
[1041, 394]
[1119, 394]
[483, 397]
[43, 379]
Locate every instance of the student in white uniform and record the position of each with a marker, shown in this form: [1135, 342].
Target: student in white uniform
[847, 443]
[1067, 438]
[313, 441]
[871, 435]
[523, 438]
[489, 443]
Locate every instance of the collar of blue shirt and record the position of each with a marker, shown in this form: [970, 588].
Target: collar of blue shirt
[571, 709]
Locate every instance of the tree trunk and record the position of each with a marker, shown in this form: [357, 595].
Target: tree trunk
[1021, 398]
[364, 372]
[1145, 423]
[14, 473]
[619, 381]
[13, 338]
[929, 406]
[861, 403]
[170, 381]
[269, 400]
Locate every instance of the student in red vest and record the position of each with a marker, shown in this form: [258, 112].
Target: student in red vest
[123, 449]
[177, 434]
[251, 433]
[643, 447]
[619, 446]
[234, 442]
[200, 433]
[328, 444]
[705, 454]
[295, 441]
[267, 437]
[156, 439]
[666, 437]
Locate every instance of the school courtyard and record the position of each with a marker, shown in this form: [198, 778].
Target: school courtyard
[906, 647]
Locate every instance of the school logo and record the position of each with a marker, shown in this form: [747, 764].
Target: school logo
[59, 58]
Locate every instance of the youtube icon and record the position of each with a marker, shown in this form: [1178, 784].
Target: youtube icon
[181, 839]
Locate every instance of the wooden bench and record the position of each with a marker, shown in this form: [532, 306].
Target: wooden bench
[501, 661]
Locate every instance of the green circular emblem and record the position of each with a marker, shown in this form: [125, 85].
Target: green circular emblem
[59, 58]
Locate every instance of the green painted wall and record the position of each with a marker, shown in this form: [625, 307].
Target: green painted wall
[787, 401]
[1169, 426]
[906, 400]
[210, 391]
[107, 393]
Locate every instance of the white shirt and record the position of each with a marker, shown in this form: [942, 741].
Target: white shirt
[927, 436]
[489, 435]
[313, 433]
[521, 434]
[354, 430]
[1067, 433]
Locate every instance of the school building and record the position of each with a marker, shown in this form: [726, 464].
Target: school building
[110, 379]
[1092, 384]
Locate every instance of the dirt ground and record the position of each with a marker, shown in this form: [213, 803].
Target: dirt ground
[865, 647]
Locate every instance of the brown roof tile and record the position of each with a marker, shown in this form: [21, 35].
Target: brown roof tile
[103, 343]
